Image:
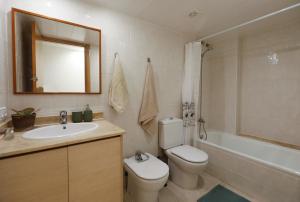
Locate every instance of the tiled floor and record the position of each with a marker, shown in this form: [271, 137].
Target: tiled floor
[173, 193]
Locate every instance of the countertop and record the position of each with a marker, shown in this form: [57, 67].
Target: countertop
[18, 145]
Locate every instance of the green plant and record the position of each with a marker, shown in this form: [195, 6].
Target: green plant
[25, 112]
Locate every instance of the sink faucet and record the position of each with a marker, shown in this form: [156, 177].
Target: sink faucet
[63, 117]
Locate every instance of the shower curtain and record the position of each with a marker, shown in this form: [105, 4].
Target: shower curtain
[190, 90]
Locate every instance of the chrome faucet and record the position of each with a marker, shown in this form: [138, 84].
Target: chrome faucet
[63, 117]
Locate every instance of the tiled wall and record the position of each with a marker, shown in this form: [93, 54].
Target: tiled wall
[134, 40]
[3, 60]
[270, 93]
[244, 93]
[220, 77]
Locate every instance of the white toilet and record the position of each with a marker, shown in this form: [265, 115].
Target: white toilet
[145, 179]
[186, 162]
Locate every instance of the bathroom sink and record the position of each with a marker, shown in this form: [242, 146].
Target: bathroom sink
[60, 131]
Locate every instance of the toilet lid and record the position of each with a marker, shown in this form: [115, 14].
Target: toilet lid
[151, 169]
[189, 153]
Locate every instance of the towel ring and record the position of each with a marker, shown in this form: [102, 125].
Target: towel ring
[148, 59]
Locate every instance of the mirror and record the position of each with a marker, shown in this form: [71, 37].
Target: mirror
[52, 56]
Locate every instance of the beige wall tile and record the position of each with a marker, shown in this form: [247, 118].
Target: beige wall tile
[270, 92]
[243, 92]
[134, 40]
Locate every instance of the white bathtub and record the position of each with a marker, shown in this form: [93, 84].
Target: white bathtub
[265, 171]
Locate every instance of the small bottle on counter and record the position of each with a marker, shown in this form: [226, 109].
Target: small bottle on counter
[77, 116]
[88, 114]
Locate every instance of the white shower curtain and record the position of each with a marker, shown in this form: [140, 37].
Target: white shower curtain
[190, 89]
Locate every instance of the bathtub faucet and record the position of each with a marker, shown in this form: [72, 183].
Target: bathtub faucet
[201, 122]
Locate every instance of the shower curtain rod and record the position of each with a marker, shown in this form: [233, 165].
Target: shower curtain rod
[249, 22]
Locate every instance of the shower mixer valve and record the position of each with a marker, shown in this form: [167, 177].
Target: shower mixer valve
[201, 120]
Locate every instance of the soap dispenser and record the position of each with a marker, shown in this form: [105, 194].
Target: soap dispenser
[88, 114]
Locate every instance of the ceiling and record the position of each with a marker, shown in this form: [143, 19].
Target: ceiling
[213, 15]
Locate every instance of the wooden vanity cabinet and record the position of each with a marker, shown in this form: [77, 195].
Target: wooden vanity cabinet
[88, 172]
[36, 177]
[95, 171]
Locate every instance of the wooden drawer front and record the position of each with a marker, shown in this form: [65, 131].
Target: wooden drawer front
[95, 171]
[36, 177]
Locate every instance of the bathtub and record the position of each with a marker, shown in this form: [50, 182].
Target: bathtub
[264, 171]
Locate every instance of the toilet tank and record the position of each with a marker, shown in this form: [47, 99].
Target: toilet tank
[170, 132]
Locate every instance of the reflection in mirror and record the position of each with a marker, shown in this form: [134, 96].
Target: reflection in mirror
[52, 56]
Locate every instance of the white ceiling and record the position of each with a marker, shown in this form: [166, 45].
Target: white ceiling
[214, 15]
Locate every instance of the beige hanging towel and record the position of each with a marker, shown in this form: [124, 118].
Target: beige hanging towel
[149, 107]
[118, 93]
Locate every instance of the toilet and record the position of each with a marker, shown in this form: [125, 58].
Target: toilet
[186, 163]
[145, 179]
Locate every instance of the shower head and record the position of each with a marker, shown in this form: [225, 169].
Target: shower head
[206, 47]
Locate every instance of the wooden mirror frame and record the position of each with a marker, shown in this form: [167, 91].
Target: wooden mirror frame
[13, 13]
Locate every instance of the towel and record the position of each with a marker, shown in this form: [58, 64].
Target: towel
[149, 107]
[118, 93]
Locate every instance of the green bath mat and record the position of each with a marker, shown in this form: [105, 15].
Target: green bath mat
[221, 194]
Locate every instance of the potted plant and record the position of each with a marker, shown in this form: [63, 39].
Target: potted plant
[23, 119]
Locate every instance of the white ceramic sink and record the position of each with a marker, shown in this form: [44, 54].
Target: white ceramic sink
[60, 131]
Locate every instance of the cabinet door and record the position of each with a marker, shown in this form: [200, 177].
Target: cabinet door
[36, 177]
[95, 171]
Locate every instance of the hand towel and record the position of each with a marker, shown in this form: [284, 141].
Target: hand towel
[149, 107]
[118, 93]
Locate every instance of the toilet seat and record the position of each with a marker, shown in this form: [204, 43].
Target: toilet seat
[152, 169]
[189, 153]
